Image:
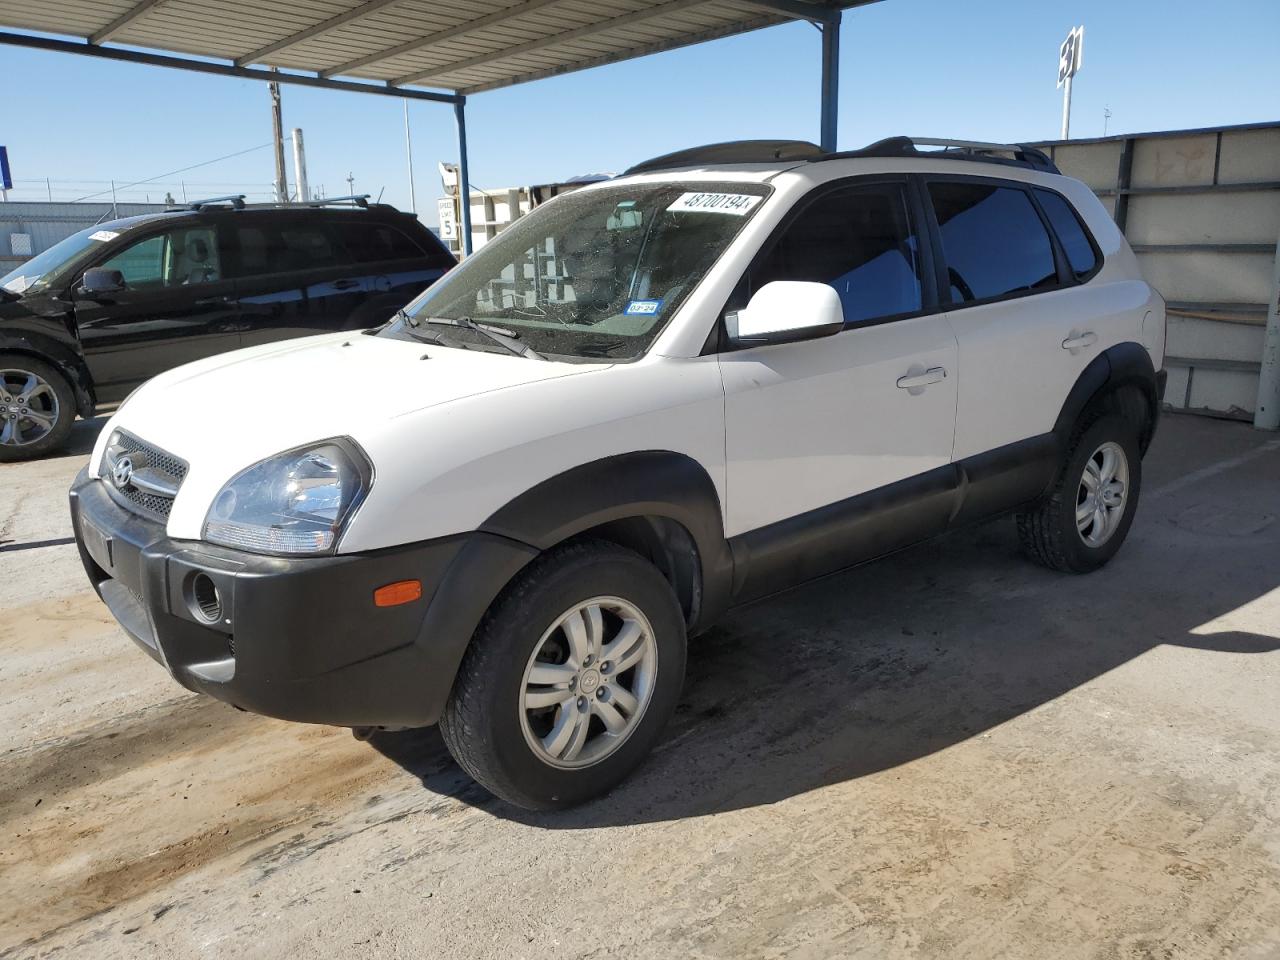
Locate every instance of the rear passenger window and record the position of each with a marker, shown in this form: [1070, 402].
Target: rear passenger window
[858, 241]
[373, 242]
[267, 249]
[1071, 233]
[993, 239]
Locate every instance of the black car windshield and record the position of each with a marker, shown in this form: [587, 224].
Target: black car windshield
[40, 272]
[593, 275]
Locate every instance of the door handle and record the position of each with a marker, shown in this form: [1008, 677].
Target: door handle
[1078, 341]
[214, 301]
[345, 284]
[918, 381]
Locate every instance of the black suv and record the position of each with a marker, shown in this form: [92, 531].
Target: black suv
[92, 317]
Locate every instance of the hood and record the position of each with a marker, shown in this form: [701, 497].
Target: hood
[228, 412]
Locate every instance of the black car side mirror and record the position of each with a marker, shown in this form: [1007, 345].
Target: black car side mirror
[97, 283]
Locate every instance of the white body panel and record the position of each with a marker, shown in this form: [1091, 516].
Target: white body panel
[818, 421]
[780, 430]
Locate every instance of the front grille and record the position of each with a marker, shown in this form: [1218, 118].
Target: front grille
[158, 467]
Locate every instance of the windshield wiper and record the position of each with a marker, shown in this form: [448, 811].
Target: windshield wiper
[509, 340]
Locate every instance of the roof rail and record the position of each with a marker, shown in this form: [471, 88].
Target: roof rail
[732, 151]
[356, 199]
[1018, 154]
[235, 199]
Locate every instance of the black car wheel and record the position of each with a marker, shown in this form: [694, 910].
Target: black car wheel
[37, 407]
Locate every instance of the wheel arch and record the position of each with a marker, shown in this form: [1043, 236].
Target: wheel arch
[660, 503]
[1121, 379]
[62, 358]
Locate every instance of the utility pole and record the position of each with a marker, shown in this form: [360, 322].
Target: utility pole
[351, 184]
[1106, 119]
[408, 154]
[300, 166]
[277, 137]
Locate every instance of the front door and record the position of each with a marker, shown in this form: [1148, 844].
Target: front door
[177, 306]
[813, 424]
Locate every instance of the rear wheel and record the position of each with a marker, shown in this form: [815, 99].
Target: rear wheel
[37, 407]
[1083, 521]
[570, 678]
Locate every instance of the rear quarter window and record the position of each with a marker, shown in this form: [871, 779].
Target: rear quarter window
[1082, 255]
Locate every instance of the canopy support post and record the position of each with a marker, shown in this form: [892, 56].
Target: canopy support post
[464, 181]
[830, 80]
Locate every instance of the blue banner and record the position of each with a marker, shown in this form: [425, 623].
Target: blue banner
[6, 181]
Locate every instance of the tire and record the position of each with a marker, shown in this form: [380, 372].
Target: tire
[1050, 532]
[37, 408]
[501, 741]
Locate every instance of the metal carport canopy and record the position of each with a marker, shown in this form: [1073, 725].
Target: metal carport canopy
[439, 50]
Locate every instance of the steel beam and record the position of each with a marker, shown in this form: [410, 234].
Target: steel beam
[830, 82]
[798, 9]
[1266, 413]
[464, 181]
[613, 23]
[326, 26]
[122, 21]
[217, 69]
[442, 36]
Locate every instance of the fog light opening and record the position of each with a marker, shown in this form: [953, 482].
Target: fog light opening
[205, 600]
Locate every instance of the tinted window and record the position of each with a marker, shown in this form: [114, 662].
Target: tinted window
[178, 258]
[860, 242]
[372, 242]
[291, 248]
[1071, 233]
[994, 241]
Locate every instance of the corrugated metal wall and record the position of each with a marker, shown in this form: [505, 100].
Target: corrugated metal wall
[1201, 209]
[47, 223]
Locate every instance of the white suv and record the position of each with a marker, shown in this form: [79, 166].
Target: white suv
[731, 370]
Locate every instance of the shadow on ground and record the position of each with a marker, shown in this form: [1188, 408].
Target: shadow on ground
[896, 660]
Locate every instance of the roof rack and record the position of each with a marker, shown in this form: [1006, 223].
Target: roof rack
[732, 151]
[236, 200]
[1012, 154]
[355, 199]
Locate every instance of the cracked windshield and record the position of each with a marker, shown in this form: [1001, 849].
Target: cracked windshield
[593, 275]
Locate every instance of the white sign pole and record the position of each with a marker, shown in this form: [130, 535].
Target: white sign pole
[1066, 109]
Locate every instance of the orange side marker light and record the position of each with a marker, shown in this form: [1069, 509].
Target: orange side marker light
[394, 594]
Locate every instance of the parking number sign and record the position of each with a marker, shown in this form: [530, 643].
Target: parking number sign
[1069, 55]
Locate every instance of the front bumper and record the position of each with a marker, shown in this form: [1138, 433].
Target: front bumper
[299, 639]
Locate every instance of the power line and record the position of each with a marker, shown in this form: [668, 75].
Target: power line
[172, 173]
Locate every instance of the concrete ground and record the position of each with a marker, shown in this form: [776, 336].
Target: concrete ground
[950, 753]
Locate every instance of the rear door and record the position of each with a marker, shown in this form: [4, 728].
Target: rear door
[178, 305]
[813, 423]
[1026, 328]
[398, 266]
[294, 277]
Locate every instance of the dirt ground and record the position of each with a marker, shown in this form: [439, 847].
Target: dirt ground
[950, 753]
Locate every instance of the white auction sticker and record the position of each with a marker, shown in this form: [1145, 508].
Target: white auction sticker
[103, 235]
[734, 204]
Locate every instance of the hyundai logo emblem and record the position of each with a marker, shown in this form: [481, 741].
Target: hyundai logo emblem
[122, 472]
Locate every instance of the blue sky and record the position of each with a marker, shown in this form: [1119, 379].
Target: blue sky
[980, 69]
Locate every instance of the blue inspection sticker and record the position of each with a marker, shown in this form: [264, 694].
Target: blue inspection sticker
[643, 308]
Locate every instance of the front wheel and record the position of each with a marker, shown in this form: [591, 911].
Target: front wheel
[570, 677]
[37, 407]
[1083, 521]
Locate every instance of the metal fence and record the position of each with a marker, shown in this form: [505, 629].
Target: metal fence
[28, 228]
[1201, 209]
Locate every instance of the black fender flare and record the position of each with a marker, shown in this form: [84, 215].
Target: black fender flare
[650, 483]
[51, 350]
[1125, 364]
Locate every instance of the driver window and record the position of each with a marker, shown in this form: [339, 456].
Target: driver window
[859, 241]
[178, 258]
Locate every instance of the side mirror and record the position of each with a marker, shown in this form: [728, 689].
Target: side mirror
[785, 311]
[97, 283]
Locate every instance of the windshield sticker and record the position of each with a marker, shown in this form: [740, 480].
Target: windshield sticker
[734, 204]
[103, 235]
[643, 308]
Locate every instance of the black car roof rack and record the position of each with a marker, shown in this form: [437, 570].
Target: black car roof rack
[236, 200]
[1011, 154]
[732, 151]
[802, 151]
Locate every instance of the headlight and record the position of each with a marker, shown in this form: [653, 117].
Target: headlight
[293, 503]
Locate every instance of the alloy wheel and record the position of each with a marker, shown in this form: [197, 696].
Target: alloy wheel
[28, 408]
[1103, 494]
[588, 682]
